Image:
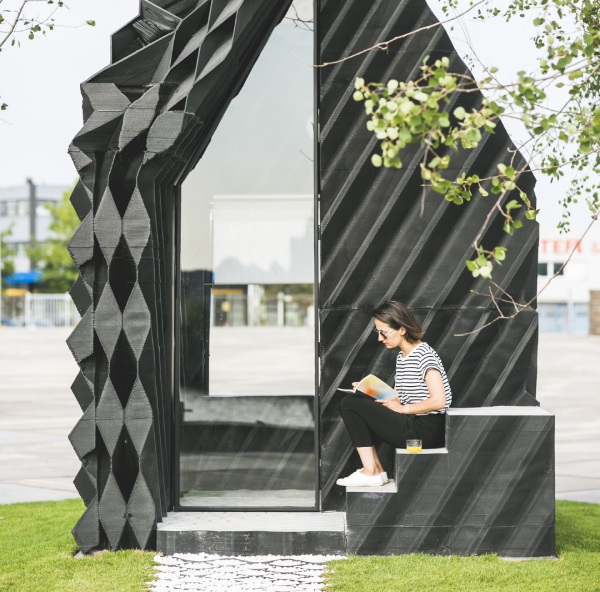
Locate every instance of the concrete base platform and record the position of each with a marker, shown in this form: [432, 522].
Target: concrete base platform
[253, 533]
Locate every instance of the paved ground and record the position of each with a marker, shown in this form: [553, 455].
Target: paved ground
[569, 387]
[37, 411]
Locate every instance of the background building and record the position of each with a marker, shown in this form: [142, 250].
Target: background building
[565, 300]
[24, 213]
[22, 209]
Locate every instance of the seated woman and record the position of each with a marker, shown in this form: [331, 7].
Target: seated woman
[418, 412]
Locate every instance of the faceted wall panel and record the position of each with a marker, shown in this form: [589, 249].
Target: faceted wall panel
[148, 117]
[383, 236]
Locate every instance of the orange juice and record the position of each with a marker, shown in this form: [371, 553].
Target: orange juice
[414, 446]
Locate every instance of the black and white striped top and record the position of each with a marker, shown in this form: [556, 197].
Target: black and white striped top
[410, 375]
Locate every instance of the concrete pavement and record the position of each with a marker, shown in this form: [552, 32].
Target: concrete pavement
[569, 387]
[38, 410]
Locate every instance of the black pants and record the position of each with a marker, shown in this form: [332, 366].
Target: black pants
[369, 422]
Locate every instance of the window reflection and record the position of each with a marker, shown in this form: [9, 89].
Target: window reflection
[247, 345]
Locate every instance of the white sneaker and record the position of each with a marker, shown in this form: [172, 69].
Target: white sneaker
[384, 478]
[359, 479]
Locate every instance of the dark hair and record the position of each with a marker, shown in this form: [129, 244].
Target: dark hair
[396, 315]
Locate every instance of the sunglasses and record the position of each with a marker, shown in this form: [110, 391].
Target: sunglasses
[383, 334]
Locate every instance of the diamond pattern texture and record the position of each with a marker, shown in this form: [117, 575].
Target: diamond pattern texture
[107, 225]
[110, 417]
[108, 321]
[148, 117]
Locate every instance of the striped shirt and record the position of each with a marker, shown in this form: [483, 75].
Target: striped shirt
[410, 375]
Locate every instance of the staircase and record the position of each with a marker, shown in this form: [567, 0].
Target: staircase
[490, 491]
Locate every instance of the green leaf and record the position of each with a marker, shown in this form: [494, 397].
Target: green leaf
[376, 160]
[460, 113]
[500, 253]
[471, 138]
[486, 271]
[405, 135]
[392, 86]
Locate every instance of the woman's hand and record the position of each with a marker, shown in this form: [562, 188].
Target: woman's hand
[394, 405]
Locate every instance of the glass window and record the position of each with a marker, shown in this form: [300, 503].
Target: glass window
[247, 327]
[559, 269]
[542, 269]
[23, 208]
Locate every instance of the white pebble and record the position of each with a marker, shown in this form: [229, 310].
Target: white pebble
[194, 572]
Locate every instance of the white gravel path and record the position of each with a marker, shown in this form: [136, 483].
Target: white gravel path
[267, 573]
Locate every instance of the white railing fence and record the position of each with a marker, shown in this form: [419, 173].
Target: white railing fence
[39, 310]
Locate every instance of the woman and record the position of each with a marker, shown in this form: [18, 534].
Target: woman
[418, 412]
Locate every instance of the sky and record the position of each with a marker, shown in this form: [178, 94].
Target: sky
[40, 82]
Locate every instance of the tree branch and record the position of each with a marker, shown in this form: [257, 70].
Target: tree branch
[519, 307]
[13, 26]
[384, 45]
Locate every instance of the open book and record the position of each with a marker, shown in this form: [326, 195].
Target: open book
[374, 387]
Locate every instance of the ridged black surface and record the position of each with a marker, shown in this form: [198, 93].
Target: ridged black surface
[493, 492]
[383, 237]
[148, 118]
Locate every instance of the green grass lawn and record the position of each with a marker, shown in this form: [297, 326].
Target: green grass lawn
[577, 568]
[37, 548]
[36, 554]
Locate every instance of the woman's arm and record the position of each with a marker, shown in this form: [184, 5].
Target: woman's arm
[435, 401]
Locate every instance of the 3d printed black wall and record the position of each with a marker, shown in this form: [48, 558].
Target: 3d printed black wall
[376, 244]
[148, 118]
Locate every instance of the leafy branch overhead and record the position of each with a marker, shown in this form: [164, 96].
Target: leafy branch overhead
[434, 111]
[21, 19]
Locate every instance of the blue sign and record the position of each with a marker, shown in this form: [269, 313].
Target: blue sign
[26, 277]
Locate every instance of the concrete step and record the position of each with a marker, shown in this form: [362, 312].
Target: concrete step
[253, 533]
